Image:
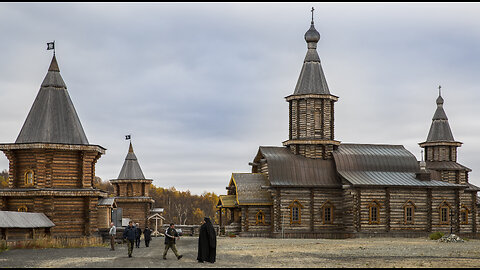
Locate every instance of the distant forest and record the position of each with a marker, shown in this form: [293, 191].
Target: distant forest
[180, 207]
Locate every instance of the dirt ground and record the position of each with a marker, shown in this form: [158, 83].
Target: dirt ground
[263, 252]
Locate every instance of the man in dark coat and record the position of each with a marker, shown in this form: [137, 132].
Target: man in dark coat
[207, 242]
[130, 234]
[139, 233]
[170, 236]
[147, 235]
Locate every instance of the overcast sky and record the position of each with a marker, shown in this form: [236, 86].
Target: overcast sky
[200, 86]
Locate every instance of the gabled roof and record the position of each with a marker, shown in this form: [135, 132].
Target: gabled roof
[249, 189]
[227, 201]
[11, 219]
[287, 169]
[107, 202]
[52, 117]
[131, 168]
[380, 165]
[311, 79]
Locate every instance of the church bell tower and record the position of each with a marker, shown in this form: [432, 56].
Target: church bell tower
[311, 107]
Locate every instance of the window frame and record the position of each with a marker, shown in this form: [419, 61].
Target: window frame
[27, 184]
[374, 204]
[327, 205]
[409, 205]
[260, 220]
[299, 206]
[464, 209]
[23, 207]
[444, 205]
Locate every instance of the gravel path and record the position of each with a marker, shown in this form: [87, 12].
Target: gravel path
[263, 252]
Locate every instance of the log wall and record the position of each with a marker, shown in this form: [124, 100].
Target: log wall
[136, 211]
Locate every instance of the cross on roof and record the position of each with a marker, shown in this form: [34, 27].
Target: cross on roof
[312, 13]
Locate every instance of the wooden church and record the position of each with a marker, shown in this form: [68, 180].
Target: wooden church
[52, 164]
[316, 186]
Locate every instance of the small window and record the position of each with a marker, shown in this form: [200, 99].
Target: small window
[260, 218]
[295, 216]
[374, 213]
[409, 214]
[29, 178]
[444, 213]
[295, 212]
[327, 212]
[327, 216]
[464, 211]
[22, 209]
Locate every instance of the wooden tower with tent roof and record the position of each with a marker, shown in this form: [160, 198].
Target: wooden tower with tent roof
[131, 190]
[52, 164]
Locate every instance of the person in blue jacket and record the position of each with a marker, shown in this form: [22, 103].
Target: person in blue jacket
[130, 234]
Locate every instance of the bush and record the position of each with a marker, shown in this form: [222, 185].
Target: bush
[436, 235]
[3, 245]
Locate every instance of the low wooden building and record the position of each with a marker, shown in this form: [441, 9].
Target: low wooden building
[131, 190]
[320, 187]
[52, 164]
[24, 225]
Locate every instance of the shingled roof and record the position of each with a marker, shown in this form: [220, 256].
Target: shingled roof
[440, 129]
[311, 79]
[380, 165]
[287, 169]
[52, 117]
[131, 168]
[249, 189]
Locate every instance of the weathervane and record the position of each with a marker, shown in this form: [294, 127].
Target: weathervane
[51, 46]
[128, 137]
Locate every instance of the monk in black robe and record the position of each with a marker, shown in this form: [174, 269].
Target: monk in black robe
[207, 242]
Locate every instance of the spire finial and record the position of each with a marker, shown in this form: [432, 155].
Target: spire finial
[439, 90]
[312, 14]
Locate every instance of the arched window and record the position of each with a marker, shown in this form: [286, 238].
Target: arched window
[409, 212]
[29, 178]
[327, 212]
[374, 212]
[260, 218]
[464, 211]
[22, 209]
[444, 213]
[295, 212]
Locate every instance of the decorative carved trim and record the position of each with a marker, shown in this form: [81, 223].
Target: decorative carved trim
[296, 204]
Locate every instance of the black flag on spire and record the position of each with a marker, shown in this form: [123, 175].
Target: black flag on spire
[51, 45]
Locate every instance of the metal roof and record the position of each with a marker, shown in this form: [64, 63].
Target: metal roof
[11, 219]
[311, 79]
[446, 165]
[107, 201]
[440, 129]
[287, 169]
[248, 188]
[380, 165]
[52, 117]
[131, 168]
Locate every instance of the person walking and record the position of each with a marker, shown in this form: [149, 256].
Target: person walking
[147, 235]
[112, 233]
[130, 234]
[207, 242]
[170, 236]
[139, 233]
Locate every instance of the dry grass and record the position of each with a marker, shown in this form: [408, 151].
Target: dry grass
[53, 242]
